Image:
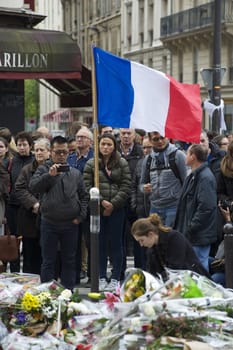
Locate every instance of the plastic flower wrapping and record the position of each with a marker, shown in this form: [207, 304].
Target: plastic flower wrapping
[188, 311]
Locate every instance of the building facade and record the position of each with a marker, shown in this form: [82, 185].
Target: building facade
[187, 31]
[174, 36]
[49, 100]
[93, 22]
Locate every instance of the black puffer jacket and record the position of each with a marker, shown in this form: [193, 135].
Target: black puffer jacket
[133, 157]
[4, 183]
[27, 223]
[18, 162]
[114, 188]
[64, 196]
[225, 187]
[216, 155]
[139, 201]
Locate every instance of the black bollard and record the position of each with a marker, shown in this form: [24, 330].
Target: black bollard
[94, 229]
[228, 248]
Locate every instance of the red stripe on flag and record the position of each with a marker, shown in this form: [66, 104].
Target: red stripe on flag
[184, 113]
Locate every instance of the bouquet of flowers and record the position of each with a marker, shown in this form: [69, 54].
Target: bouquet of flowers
[137, 283]
[38, 309]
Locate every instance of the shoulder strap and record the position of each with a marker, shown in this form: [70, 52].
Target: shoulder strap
[148, 164]
[9, 167]
[173, 165]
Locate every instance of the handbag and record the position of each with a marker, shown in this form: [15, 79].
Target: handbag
[9, 246]
[217, 265]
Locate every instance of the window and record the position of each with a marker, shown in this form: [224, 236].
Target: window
[164, 64]
[141, 39]
[141, 16]
[228, 114]
[150, 37]
[195, 65]
[129, 26]
[180, 67]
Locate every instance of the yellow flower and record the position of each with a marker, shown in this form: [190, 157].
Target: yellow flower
[139, 292]
[30, 302]
[135, 277]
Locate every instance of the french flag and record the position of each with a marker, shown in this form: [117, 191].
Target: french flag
[131, 95]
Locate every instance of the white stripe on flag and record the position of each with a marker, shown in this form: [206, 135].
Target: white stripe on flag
[151, 98]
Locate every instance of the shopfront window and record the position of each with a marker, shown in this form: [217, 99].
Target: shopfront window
[228, 114]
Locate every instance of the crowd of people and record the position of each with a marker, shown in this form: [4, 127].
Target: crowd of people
[163, 201]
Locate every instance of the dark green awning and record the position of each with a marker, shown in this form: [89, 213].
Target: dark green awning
[42, 54]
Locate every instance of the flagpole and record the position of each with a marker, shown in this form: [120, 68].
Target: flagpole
[95, 122]
[94, 193]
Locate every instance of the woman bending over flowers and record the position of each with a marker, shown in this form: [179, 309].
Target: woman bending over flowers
[167, 247]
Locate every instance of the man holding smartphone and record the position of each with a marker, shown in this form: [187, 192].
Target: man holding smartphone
[64, 202]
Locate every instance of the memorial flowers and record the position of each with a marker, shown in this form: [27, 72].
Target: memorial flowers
[37, 308]
[186, 307]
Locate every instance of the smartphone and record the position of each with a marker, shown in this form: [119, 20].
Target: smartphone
[64, 168]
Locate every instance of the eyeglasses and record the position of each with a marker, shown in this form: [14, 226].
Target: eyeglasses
[157, 138]
[108, 132]
[41, 150]
[146, 147]
[81, 137]
[224, 144]
[60, 152]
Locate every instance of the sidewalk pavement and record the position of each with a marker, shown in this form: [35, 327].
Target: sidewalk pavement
[85, 288]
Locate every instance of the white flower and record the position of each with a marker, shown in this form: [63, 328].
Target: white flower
[135, 321]
[49, 312]
[44, 297]
[148, 309]
[65, 295]
[79, 308]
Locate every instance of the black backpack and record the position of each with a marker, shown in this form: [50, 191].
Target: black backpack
[172, 163]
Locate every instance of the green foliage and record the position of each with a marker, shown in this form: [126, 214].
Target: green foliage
[31, 96]
[180, 327]
[227, 308]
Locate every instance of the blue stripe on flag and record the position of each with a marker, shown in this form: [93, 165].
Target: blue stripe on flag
[115, 94]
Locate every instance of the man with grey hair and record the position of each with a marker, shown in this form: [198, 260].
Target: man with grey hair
[84, 142]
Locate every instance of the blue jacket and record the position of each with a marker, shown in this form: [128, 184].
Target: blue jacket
[79, 163]
[196, 214]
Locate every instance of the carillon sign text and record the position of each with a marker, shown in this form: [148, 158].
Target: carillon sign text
[23, 60]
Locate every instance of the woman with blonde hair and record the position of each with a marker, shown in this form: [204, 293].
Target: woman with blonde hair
[167, 248]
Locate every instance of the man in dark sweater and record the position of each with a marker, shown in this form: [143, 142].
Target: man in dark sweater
[63, 207]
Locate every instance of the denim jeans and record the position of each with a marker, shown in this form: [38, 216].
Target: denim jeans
[110, 240]
[167, 215]
[63, 235]
[203, 252]
[220, 278]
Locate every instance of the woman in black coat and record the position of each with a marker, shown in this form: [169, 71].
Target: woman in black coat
[4, 180]
[28, 225]
[167, 248]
